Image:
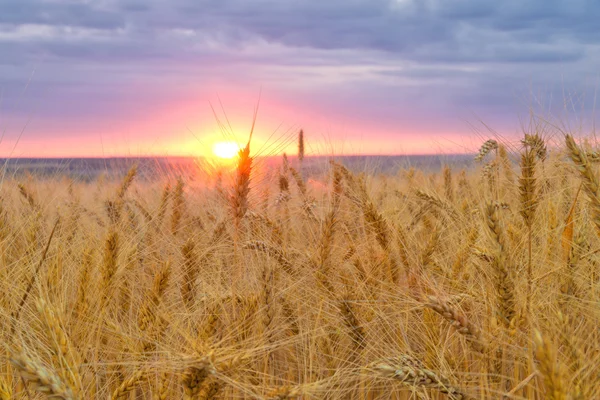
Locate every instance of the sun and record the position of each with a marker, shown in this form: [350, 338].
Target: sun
[225, 150]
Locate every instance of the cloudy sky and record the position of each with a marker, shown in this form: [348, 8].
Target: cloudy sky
[137, 77]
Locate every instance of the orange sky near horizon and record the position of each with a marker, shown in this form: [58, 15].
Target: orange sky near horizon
[189, 127]
[201, 145]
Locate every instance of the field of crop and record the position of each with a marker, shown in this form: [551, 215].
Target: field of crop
[460, 284]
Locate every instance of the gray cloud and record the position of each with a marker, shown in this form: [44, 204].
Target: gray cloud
[452, 31]
[58, 13]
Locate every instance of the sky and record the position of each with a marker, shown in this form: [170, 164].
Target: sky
[163, 77]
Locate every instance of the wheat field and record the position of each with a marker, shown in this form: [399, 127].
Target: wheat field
[459, 284]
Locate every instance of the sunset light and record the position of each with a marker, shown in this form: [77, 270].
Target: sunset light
[225, 150]
[293, 199]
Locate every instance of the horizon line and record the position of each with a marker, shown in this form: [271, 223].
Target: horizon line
[210, 157]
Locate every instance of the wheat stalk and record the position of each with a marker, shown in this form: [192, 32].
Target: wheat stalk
[529, 201]
[301, 145]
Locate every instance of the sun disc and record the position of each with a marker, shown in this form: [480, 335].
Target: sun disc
[225, 149]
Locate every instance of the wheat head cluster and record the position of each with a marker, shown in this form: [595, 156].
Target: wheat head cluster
[481, 283]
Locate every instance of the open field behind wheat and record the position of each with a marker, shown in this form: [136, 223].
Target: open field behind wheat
[459, 284]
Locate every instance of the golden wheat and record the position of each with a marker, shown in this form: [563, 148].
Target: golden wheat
[355, 286]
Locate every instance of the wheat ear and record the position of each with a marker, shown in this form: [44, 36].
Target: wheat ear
[241, 188]
[42, 379]
[589, 177]
[461, 323]
[411, 373]
[550, 369]
[127, 386]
